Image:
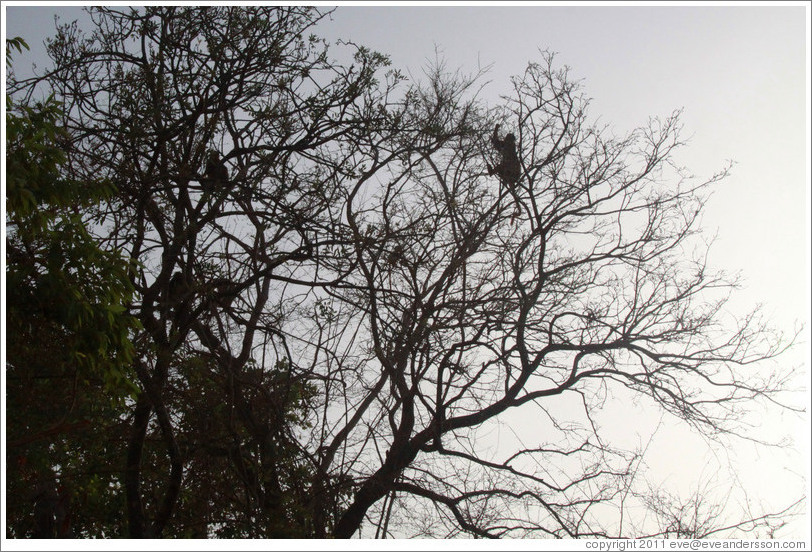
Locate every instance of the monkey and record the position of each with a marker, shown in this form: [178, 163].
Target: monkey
[215, 177]
[178, 287]
[508, 169]
[180, 295]
[216, 295]
[397, 255]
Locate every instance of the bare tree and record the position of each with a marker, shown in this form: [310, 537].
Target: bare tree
[463, 312]
[338, 300]
[697, 517]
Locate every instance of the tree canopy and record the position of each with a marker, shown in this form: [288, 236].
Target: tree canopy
[288, 295]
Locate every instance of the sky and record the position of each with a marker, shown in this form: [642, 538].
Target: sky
[738, 71]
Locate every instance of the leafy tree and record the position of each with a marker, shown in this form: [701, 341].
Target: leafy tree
[146, 96]
[69, 352]
[340, 301]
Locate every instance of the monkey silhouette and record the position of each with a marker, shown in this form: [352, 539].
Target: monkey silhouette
[508, 168]
[215, 177]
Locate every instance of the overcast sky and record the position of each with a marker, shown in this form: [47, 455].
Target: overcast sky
[738, 71]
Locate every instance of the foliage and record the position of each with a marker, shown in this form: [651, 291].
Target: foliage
[326, 337]
[67, 326]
